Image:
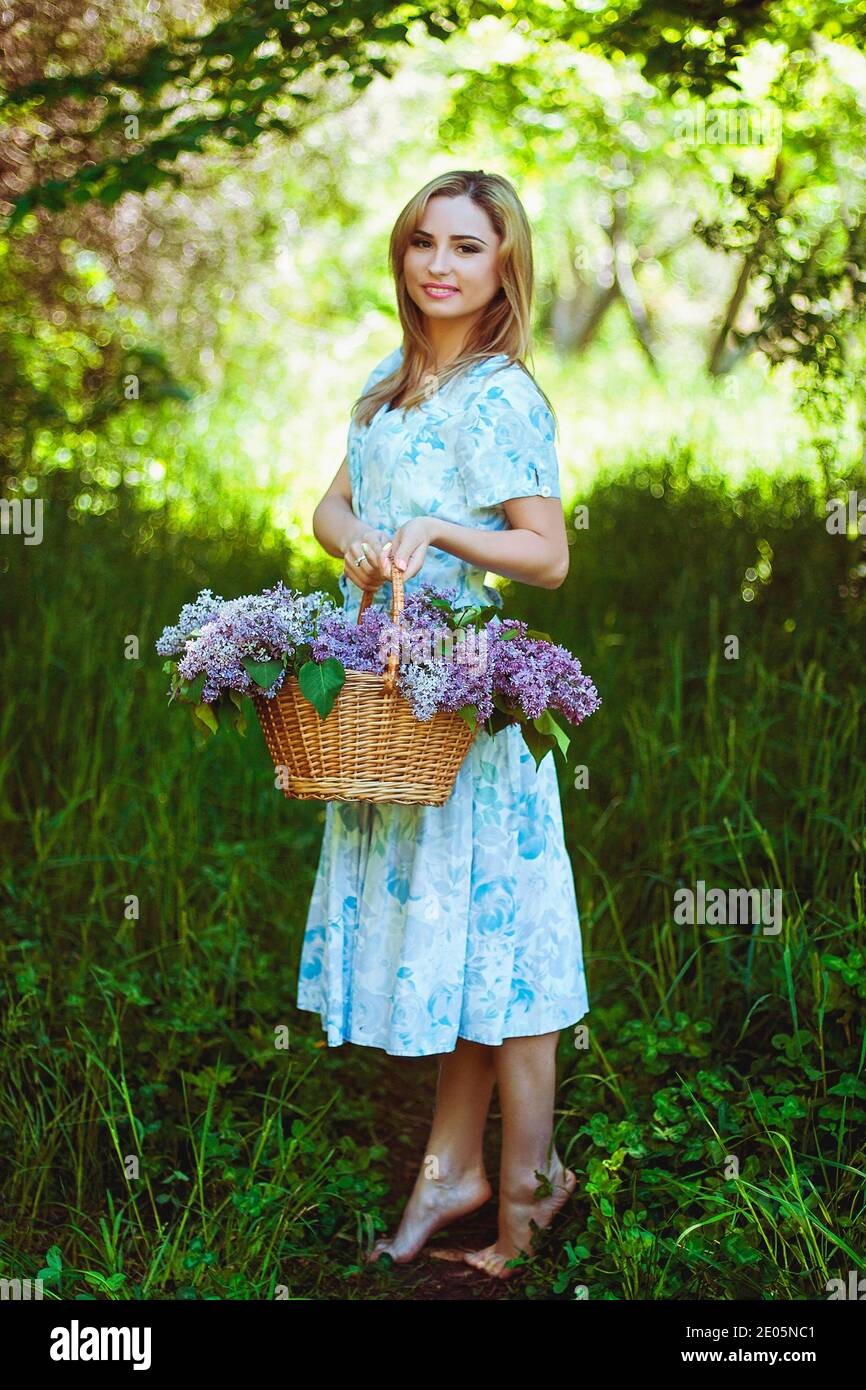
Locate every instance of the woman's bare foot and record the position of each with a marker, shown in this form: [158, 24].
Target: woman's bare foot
[516, 1209]
[433, 1204]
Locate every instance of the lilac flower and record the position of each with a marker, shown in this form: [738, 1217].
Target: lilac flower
[536, 675]
[192, 615]
[419, 612]
[261, 627]
[438, 668]
[361, 646]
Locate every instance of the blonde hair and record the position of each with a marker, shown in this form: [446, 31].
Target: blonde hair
[504, 326]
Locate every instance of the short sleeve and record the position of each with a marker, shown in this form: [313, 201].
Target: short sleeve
[505, 444]
[382, 369]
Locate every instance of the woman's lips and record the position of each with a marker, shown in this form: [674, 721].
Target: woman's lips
[439, 291]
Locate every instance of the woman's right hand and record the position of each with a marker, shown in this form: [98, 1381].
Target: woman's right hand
[372, 548]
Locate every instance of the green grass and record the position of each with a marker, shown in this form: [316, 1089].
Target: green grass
[161, 1146]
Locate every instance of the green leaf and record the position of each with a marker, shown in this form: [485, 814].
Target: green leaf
[469, 715]
[264, 673]
[238, 711]
[192, 691]
[539, 636]
[205, 715]
[496, 721]
[487, 612]
[513, 711]
[299, 657]
[321, 683]
[546, 724]
[539, 744]
[447, 609]
[463, 616]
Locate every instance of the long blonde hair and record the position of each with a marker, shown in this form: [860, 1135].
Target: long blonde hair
[504, 326]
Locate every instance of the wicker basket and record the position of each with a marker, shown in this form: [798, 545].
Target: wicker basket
[371, 747]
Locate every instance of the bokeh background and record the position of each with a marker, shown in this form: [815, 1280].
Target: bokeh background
[197, 200]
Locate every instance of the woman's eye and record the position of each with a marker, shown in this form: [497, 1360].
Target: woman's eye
[467, 246]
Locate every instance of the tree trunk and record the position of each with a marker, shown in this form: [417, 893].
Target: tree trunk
[719, 361]
[623, 254]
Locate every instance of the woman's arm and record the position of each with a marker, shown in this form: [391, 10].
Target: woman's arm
[534, 550]
[335, 525]
[345, 536]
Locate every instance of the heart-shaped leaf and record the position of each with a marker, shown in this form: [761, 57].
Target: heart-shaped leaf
[205, 716]
[237, 711]
[321, 683]
[539, 744]
[469, 715]
[264, 673]
[546, 724]
[191, 690]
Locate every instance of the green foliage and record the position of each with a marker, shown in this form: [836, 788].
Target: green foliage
[698, 49]
[152, 895]
[152, 1036]
[227, 86]
[321, 683]
[264, 673]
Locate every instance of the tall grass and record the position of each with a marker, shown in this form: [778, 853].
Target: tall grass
[159, 1144]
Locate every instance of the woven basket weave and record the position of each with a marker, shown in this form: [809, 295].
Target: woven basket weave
[371, 747]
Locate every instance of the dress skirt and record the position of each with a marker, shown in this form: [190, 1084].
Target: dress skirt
[432, 923]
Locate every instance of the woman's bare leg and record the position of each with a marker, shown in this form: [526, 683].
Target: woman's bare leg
[526, 1076]
[452, 1181]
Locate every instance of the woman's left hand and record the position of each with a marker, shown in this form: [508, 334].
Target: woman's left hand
[409, 545]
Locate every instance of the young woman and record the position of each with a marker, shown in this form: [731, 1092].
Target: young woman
[454, 929]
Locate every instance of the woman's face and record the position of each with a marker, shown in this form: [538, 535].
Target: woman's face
[455, 252]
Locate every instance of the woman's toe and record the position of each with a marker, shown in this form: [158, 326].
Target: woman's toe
[490, 1262]
[478, 1259]
[380, 1248]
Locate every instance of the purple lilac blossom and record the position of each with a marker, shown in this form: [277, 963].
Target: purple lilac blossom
[360, 646]
[192, 615]
[455, 673]
[261, 627]
[536, 675]
[531, 674]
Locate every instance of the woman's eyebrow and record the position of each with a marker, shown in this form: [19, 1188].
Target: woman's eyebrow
[463, 236]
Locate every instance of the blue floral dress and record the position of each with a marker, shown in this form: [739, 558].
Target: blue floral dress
[432, 923]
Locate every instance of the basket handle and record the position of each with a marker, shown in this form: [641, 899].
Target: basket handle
[390, 676]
